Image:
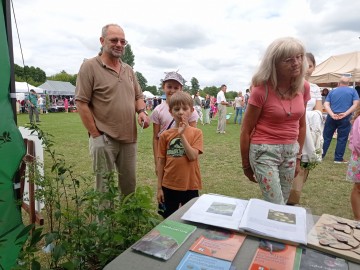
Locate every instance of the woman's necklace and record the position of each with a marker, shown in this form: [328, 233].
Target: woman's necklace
[282, 95]
[282, 105]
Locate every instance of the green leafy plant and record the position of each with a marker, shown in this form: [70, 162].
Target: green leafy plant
[85, 229]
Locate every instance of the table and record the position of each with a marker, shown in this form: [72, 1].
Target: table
[132, 260]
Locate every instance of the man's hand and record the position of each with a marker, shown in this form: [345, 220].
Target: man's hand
[143, 120]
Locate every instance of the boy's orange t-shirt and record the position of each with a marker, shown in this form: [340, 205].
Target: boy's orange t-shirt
[179, 172]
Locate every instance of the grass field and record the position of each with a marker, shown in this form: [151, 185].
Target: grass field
[326, 190]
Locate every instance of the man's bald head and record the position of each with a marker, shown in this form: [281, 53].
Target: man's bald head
[344, 81]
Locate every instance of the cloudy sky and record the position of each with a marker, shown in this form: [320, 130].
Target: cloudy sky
[217, 42]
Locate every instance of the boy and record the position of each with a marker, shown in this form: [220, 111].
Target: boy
[178, 169]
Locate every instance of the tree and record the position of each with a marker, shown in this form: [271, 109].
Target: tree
[212, 90]
[195, 87]
[32, 75]
[63, 76]
[128, 56]
[231, 95]
[152, 90]
[141, 79]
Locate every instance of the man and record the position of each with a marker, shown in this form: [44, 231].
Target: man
[339, 104]
[108, 96]
[32, 102]
[222, 104]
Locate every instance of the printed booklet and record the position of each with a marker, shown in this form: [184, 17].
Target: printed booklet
[164, 239]
[219, 243]
[275, 256]
[315, 260]
[196, 261]
[268, 220]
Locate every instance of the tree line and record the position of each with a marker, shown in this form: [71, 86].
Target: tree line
[36, 76]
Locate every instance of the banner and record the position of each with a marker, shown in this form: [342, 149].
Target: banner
[11, 152]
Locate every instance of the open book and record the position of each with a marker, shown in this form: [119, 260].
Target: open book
[273, 221]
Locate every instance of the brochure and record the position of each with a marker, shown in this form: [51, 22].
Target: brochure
[219, 243]
[282, 223]
[275, 256]
[164, 239]
[312, 259]
[193, 260]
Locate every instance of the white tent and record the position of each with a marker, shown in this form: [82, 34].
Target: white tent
[148, 94]
[23, 87]
[328, 73]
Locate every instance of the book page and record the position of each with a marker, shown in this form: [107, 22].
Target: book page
[276, 221]
[217, 210]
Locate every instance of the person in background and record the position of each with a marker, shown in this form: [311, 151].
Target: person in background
[207, 109]
[339, 104]
[66, 105]
[273, 129]
[108, 97]
[179, 178]
[213, 107]
[198, 106]
[221, 106]
[353, 171]
[246, 98]
[239, 105]
[32, 102]
[324, 94]
[161, 116]
[313, 140]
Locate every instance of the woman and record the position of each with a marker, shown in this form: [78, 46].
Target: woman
[313, 140]
[207, 109]
[273, 129]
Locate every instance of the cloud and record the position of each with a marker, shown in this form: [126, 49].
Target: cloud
[217, 42]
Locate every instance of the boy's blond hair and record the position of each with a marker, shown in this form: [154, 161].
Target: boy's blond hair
[181, 98]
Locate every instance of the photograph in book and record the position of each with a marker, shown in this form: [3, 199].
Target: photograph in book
[218, 243]
[217, 210]
[196, 261]
[275, 256]
[337, 236]
[316, 260]
[164, 239]
[277, 222]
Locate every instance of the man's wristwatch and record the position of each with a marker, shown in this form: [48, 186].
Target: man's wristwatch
[142, 110]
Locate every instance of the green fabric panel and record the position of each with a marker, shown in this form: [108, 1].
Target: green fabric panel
[11, 154]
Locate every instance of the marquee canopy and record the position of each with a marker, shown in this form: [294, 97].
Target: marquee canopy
[330, 71]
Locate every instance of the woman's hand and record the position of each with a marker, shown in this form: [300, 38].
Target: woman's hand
[249, 174]
[297, 168]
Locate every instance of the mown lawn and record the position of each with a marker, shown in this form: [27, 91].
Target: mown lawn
[326, 190]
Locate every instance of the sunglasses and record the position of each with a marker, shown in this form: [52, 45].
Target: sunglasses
[115, 41]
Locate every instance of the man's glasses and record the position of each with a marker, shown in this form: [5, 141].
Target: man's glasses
[292, 60]
[115, 41]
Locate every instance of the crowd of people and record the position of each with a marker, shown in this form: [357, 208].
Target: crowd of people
[281, 129]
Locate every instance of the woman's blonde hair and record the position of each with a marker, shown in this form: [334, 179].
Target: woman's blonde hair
[277, 51]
